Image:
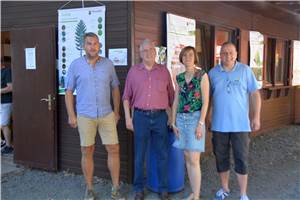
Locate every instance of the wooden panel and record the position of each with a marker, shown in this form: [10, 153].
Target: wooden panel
[244, 46]
[276, 113]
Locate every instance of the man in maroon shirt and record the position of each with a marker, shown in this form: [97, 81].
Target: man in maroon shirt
[149, 94]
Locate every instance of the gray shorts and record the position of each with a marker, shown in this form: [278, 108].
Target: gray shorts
[239, 141]
[5, 112]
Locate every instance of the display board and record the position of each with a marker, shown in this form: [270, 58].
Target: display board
[72, 25]
[180, 33]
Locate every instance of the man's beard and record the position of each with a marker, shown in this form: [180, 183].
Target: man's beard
[92, 56]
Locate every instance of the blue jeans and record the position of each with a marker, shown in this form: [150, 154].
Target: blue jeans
[150, 127]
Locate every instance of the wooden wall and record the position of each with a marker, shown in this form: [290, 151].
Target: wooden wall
[41, 13]
[149, 22]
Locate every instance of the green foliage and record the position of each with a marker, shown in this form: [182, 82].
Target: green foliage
[257, 72]
[80, 31]
[257, 59]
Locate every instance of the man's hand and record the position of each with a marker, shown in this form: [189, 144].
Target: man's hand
[129, 124]
[72, 121]
[117, 117]
[255, 124]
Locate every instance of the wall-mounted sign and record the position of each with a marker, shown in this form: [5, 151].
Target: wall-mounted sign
[257, 55]
[30, 58]
[118, 56]
[161, 55]
[72, 25]
[180, 33]
[296, 62]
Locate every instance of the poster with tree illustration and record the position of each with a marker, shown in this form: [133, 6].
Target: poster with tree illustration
[257, 55]
[72, 25]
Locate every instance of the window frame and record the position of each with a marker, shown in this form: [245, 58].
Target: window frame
[271, 44]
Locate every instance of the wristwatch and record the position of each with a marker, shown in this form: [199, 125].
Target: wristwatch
[201, 123]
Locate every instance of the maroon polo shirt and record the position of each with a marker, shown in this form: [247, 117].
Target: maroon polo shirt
[149, 90]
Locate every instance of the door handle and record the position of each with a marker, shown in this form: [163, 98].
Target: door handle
[49, 100]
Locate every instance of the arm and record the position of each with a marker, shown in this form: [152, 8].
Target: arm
[205, 97]
[255, 107]
[170, 89]
[205, 104]
[7, 80]
[174, 111]
[128, 118]
[116, 101]
[7, 89]
[126, 102]
[69, 100]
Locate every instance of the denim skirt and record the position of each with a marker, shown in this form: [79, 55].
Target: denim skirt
[187, 124]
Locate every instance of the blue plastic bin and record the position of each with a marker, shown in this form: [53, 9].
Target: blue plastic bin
[176, 169]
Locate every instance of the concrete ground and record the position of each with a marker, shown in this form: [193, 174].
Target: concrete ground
[274, 174]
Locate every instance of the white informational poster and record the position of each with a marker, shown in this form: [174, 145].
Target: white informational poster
[30, 58]
[296, 62]
[72, 25]
[180, 33]
[257, 55]
[118, 56]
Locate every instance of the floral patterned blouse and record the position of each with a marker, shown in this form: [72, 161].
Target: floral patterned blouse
[190, 97]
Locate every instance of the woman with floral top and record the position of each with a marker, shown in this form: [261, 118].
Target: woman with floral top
[188, 116]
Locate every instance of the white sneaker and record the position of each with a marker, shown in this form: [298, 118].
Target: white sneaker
[221, 194]
[89, 194]
[244, 197]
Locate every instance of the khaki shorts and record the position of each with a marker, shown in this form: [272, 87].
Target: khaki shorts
[106, 127]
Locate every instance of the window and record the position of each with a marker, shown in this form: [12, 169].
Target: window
[257, 54]
[281, 62]
[277, 62]
[270, 62]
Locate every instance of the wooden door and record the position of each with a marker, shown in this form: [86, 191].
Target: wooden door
[34, 93]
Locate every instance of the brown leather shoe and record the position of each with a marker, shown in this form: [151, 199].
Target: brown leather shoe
[139, 196]
[164, 196]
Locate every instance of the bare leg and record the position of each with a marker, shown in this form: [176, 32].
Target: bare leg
[194, 172]
[113, 162]
[87, 164]
[225, 180]
[7, 135]
[242, 180]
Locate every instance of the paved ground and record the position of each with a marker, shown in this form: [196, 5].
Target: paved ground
[274, 174]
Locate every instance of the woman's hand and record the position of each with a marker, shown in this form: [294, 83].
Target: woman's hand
[175, 130]
[199, 132]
